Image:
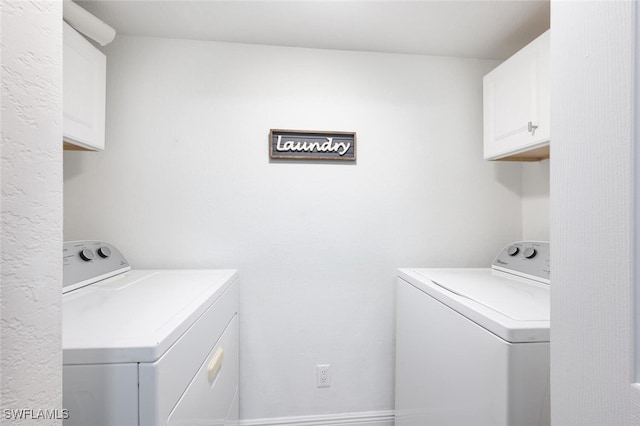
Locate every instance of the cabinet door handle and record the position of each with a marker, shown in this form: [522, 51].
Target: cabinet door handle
[531, 128]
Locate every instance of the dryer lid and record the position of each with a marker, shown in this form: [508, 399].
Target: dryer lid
[138, 315]
[517, 298]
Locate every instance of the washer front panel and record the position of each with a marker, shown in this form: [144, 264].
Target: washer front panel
[452, 372]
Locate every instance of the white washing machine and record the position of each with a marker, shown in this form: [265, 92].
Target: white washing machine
[147, 347]
[472, 345]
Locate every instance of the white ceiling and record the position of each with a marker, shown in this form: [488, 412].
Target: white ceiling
[473, 29]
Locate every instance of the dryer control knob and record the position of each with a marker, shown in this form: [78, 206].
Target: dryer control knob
[86, 255]
[530, 253]
[513, 250]
[104, 252]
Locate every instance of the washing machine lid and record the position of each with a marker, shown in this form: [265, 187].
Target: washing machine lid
[521, 301]
[138, 315]
[514, 308]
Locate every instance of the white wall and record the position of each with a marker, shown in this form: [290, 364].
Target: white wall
[185, 181]
[592, 53]
[30, 295]
[535, 200]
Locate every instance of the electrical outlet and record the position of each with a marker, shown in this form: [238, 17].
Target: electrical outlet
[323, 375]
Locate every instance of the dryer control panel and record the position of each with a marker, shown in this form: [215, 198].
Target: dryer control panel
[528, 259]
[87, 262]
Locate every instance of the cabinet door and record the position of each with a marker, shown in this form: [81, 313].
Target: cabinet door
[84, 85]
[516, 103]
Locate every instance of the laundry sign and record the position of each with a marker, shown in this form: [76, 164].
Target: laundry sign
[312, 145]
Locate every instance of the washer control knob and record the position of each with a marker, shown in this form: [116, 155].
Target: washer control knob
[87, 255]
[104, 252]
[513, 250]
[530, 253]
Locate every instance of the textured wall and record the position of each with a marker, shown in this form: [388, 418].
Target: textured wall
[30, 321]
[185, 181]
[592, 53]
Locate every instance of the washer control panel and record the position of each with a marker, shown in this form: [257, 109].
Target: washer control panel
[86, 262]
[529, 259]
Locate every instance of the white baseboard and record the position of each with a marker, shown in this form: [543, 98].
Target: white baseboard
[369, 418]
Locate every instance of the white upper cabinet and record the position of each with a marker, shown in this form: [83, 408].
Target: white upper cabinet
[84, 89]
[516, 105]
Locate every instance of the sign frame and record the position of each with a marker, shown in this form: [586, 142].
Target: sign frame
[312, 145]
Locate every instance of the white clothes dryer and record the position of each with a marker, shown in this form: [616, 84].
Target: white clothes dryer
[472, 345]
[147, 347]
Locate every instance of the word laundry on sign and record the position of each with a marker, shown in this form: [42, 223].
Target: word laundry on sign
[312, 145]
[297, 146]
